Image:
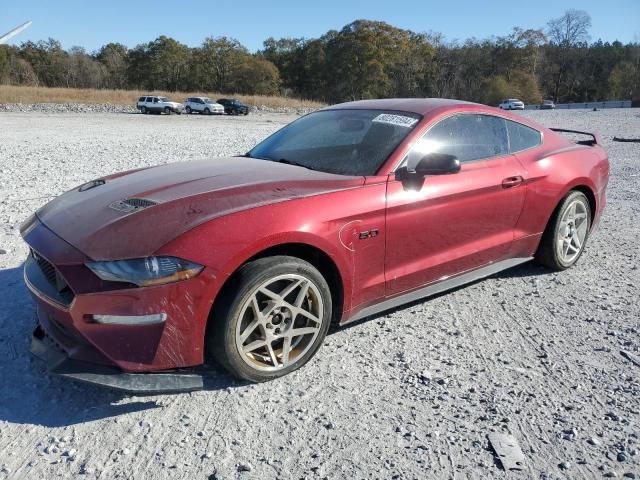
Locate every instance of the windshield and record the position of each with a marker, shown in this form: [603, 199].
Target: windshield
[163, 99]
[345, 142]
[208, 100]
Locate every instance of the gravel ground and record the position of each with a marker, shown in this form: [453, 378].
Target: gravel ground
[409, 394]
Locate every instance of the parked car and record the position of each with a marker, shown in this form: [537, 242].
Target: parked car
[511, 104]
[233, 106]
[547, 105]
[203, 105]
[157, 104]
[345, 213]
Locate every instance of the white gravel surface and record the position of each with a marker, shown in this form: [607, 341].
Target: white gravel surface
[409, 394]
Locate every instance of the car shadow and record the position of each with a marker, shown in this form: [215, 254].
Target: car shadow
[30, 395]
[528, 269]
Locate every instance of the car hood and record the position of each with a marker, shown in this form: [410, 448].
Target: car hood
[134, 213]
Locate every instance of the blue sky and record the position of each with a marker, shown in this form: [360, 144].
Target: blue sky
[92, 24]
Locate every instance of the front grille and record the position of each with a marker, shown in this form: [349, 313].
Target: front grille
[46, 267]
[132, 204]
[53, 278]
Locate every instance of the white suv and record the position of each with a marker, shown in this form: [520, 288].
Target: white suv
[511, 104]
[156, 104]
[203, 105]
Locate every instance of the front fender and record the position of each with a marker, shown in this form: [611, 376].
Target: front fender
[329, 222]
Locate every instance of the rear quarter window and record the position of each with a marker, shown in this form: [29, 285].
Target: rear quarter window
[141, 99]
[522, 137]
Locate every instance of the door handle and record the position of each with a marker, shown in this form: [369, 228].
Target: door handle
[511, 182]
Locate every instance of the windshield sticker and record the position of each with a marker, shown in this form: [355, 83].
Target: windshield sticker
[399, 120]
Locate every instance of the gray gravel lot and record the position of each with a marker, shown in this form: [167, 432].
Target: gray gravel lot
[408, 394]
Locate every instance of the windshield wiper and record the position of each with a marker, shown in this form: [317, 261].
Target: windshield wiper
[280, 160]
[293, 162]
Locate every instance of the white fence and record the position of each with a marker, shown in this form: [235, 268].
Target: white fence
[589, 105]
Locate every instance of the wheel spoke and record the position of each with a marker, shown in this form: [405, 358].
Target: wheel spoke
[272, 355]
[304, 313]
[580, 216]
[296, 332]
[302, 294]
[290, 288]
[582, 230]
[254, 345]
[269, 293]
[286, 349]
[249, 330]
[576, 241]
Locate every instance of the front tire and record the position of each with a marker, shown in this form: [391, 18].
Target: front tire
[271, 320]
[207, 111]
[167, 110]
[566, 234]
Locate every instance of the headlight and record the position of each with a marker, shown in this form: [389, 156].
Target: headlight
[146, 271]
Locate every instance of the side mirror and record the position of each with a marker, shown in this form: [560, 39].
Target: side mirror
[437, 164]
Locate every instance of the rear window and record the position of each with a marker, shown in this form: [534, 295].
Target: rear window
[522, 137]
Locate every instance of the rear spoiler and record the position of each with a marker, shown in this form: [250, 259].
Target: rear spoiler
[595, 138]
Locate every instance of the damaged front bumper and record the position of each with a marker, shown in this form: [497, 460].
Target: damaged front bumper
[58, 363]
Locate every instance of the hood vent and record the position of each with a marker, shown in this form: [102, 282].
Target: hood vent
[91, 184]
[132, 204]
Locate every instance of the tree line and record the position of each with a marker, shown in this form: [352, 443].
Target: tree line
[365, 59]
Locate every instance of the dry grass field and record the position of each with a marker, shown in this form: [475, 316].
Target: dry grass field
[20, 94]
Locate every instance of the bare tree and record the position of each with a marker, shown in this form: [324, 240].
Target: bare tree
[570, 29]
[565, 34]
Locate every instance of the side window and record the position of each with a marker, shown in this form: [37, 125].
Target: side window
[466, 136]
[522, 137]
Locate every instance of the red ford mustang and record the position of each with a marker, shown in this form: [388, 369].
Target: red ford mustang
[344, 213]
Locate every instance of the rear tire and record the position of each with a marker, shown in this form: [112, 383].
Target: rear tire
[143, 110]
[258, 336]
[188, 110]
[566, 234]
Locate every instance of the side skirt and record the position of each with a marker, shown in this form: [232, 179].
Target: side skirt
[438, 287]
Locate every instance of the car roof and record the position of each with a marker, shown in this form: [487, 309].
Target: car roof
[433, 106]
[420, 106]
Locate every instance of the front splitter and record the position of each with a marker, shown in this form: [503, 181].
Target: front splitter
[58, 363]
